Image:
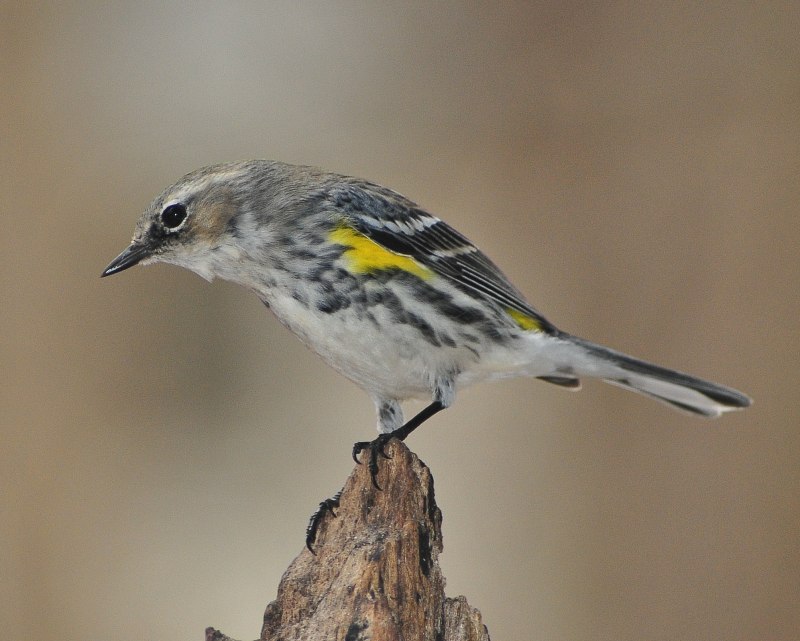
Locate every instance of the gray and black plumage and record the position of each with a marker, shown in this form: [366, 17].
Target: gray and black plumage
[386, 293]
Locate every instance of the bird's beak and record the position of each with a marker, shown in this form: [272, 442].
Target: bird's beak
[135, 253]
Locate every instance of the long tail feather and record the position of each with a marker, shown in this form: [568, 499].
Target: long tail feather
[679, 390]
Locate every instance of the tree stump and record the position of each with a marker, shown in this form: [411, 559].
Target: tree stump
[375, 574]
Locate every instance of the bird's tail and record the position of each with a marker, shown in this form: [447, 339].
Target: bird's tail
[680, 390]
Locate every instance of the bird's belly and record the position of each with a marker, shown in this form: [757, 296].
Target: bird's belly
[387, 358]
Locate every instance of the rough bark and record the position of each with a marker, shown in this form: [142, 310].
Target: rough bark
[375, 573]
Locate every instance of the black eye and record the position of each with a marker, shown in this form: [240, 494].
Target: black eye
[173, 216]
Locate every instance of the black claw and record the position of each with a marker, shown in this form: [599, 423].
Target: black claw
[373, 467]
[328, 505]
[357, 449]
[375, 448]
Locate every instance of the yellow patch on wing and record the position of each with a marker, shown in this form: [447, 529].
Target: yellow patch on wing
[364, 255]
[526, 322]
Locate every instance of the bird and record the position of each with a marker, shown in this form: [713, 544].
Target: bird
[388, 294]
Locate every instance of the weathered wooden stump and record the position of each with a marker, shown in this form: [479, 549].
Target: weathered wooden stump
[375, 573]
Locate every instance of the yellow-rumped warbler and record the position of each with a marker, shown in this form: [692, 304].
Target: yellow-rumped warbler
[386, 293]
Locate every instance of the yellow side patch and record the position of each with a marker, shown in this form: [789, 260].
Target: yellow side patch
[364, 255]
[524, 321]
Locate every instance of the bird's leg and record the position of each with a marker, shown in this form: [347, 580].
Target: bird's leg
[328, 505]
[376, 447]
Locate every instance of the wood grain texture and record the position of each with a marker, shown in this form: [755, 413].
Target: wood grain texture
[375, 574]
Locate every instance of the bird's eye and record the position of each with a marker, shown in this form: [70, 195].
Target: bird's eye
[173, 216]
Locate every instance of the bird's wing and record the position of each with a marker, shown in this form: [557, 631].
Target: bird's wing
[400, 226]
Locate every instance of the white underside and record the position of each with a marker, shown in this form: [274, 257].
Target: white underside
[398, 363]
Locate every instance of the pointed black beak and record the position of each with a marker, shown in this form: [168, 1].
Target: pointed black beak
[132, 255]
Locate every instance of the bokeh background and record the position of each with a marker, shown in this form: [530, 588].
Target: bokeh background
[632, 166]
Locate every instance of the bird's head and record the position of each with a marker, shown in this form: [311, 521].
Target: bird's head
[199, 222]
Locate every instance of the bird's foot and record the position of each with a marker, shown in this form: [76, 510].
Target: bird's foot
[328, 505]
[375, 449]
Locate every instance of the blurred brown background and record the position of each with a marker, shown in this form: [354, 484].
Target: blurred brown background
[633, 168]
